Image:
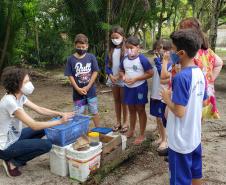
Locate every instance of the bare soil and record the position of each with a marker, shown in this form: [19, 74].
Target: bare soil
[146, 169]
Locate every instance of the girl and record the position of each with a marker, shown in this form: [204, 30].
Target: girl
[17, 145]
[157, 106]
[209, 63]
[135, 70]
[115, 55]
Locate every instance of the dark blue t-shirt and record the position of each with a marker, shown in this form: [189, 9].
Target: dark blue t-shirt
[82, 70]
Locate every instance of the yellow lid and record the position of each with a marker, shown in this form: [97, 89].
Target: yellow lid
[93, 134]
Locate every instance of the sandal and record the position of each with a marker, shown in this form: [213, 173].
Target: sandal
[124, 129]
[163, 146]
[116, 128]
[163, 152]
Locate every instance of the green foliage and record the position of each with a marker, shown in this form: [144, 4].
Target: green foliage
[42, 32]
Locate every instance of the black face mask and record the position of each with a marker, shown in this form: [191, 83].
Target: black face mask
[80, 51]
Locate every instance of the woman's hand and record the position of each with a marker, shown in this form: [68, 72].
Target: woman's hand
[67, 116]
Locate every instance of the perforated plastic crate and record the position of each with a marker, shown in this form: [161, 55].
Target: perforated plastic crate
[67, 133]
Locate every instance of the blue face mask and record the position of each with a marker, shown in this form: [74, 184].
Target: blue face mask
[175, 58]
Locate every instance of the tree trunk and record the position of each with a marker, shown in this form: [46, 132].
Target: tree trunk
[159, 34]
[7, 35]
[37, 42]
[108, 22]
[214, 23]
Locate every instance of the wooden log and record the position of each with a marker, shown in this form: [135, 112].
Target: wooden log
[131, 152]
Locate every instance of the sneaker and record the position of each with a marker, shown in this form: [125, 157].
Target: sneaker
[11, 173]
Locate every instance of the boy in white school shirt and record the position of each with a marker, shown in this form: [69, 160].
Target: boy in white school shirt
[185, 111]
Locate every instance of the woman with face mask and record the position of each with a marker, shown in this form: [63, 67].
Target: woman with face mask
[19, 145]
[115, 55]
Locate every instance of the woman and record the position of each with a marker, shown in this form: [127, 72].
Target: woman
[19, 145]
[210, 64]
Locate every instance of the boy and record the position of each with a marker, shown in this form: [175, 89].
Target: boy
[135, 69]
[82, 70]
[185, 111]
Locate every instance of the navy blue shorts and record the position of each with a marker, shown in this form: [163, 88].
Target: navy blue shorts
[137, 95]
[185, 167]
[157, 108]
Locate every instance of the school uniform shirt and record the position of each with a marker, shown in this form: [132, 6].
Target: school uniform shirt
[82, 70]
[156, 85]
[188, 90]
[10, 127]
[134, 68]
[114, 70]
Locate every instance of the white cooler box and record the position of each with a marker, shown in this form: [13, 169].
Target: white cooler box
[58, 160]
[82, 163]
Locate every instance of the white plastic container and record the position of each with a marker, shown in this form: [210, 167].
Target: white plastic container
[82, 155]
[80, 167]
[58, 160]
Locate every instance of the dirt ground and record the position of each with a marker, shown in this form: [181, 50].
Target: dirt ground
[145, 169]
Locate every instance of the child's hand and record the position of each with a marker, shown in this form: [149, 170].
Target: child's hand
[123, 78]
[166, 57]
[81, 91]
[86, 88]
[166, 95]
[113, 79]
[130, 81]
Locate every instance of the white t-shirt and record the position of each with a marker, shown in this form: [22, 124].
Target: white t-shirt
[189, 90]
[116, 57]
[116, 61]
[10, 127]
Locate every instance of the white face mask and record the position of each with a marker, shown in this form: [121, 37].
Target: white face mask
[27, 88]
[130, 52]
[117, 41]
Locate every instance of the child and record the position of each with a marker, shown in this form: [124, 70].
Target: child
[82, 70]
[115, 55]
[185, 111]
[157, 107]
[135, 70]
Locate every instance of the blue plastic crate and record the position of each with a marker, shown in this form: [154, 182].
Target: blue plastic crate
[67, 133]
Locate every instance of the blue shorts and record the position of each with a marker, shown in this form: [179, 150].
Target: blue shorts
[157, 108]
[89, 103]
[136, 95]
[185, 167]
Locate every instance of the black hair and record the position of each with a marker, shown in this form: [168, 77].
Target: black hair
[187, 40]
[12, 79]
[133, 40]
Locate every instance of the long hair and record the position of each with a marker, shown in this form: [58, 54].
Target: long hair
[119, 30]
[194, 23]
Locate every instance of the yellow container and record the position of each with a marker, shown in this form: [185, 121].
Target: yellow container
[94, 138]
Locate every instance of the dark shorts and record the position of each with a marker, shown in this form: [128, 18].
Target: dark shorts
[136, 95]
[185, 167]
